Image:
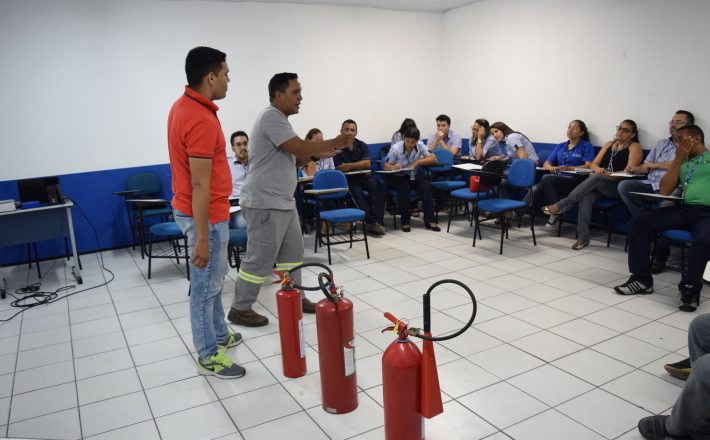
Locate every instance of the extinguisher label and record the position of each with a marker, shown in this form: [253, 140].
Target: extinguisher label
[301, 339]
[349, 357]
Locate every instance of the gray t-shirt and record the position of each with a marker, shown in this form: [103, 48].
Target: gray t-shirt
[271, 181]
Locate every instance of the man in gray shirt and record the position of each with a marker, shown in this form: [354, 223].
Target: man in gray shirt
[267, 199]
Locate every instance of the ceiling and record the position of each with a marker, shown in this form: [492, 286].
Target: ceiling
[436, 6]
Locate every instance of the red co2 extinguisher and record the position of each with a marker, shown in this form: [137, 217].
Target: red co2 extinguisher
[409, 377]
[290, 312]
[336, 348]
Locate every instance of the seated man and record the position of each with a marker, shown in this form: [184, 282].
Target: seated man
[657, 162]
[239, 166]
[354, 158]
[445, 137]
[689, 418]
[410, 153]
[690, 169]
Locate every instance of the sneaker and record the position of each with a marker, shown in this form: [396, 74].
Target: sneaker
[220, 365]
[689, 300]
[654, 428]
[376, 229]
[634, 286]
[308, 306]
[247, 318]
[679, 370]
[233, 339]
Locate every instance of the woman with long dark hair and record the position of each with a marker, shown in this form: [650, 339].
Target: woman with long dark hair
[398, 135]
[483, 145]
[513, 144]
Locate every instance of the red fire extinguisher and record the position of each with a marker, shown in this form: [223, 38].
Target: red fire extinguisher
[290, 312]
[336, 348]
[409, 377]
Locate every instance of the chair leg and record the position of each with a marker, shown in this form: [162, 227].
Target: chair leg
[503, 232]
[682, 258]
[451, 214]
[532, 225]
[367, 247]
[315, 245]
[610, 226]
[327, 240]
[39, 273]
[150, 255]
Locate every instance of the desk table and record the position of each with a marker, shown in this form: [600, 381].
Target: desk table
[37, 224]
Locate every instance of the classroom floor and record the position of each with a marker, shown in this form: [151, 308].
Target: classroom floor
[553, 353]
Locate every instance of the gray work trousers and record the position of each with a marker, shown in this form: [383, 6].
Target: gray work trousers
[273, 236]
[585, 194]
[691, 412]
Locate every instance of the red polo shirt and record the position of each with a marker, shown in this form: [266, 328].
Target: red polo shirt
[194, 131]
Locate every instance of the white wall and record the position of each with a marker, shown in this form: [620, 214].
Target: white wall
[87, 85]
[539, 64]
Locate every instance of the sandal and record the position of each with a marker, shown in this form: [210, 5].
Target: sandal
[580, 244]
[546, 211]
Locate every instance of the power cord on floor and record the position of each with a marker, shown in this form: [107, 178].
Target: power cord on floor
[35, 297]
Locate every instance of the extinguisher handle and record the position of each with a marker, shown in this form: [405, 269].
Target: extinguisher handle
[324, 282]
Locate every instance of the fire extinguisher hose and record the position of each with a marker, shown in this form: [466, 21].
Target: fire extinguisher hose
[427, 311]
[304, 265]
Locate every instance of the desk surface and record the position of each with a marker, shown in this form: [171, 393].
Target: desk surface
[656, 196]
[348, 173]
[67, 204]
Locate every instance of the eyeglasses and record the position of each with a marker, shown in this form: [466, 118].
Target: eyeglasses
[623, 129]
[241, 144]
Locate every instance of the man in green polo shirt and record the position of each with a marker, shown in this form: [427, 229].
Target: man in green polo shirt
[691, 170]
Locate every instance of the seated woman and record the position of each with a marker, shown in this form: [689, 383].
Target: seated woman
[411, 153]
[398, 136]
[513, 144]
[483, 146]
[576, 152]
[624, 151]
[325, 161]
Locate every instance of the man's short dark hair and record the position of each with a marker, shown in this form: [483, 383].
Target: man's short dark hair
[691, 118]
[412, 133]
[200, 61]
[694, 130]
[444, 118]
[279, 83]
[237, 133]
[348, 121]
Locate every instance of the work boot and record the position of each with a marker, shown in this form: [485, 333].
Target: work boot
[376, 228]
[689, 297]
[308, 306]
[247, 318]
[680, 370]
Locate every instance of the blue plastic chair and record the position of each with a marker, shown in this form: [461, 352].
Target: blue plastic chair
[520, 175]
[328, 180]
[682, 236]
[442, 182]
[148, 186]
[237, 245]
[168, 231]
[490, 176]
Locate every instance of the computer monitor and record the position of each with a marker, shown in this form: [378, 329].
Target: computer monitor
[36, 189]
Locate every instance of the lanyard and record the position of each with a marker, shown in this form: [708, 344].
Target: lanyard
[689, 174]
[407, 157]
[610, 167]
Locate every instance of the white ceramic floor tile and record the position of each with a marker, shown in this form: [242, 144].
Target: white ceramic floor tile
[294, 426]
[306, 390]
[551, 385]
[507, 328]
[102, 311]
[169, 370]
[630, 350]
[543, 316]
[647, 307]
[648, 392]
[470, 342]
[108, 386]
[505, 361]
[583, 332]
[604, 413]
[158, 350]
[102, 363]
[95, 328]
[42, 377]
[577, 305]
[509, 303]
[9, 345]
[502, 404]
[547, 346]
[593, 366]
[368, 416]
[57, 426]
[616, 319]
[143, 431]
[214, 423]
[45, 338]
[150, 333]
[143, 317]
[98, 344]
[551, 425]
[6, 381]
[462, 377]
[45, 401]
[180, 395]
[457, 423]
[4, 412]
[661, 335]
[259, 406]
[38, 357]
[110, 414]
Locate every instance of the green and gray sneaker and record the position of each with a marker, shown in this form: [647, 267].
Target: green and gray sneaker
[233, 339]
[220, 365]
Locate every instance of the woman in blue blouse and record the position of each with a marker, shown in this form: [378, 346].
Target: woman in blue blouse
[576, 152]
[483, 145]
[514, 145]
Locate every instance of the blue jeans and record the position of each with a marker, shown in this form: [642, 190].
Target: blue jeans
[206, 312]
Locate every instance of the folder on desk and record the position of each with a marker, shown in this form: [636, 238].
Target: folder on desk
[7, 205]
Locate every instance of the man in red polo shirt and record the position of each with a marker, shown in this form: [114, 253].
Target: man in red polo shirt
[202, 184]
